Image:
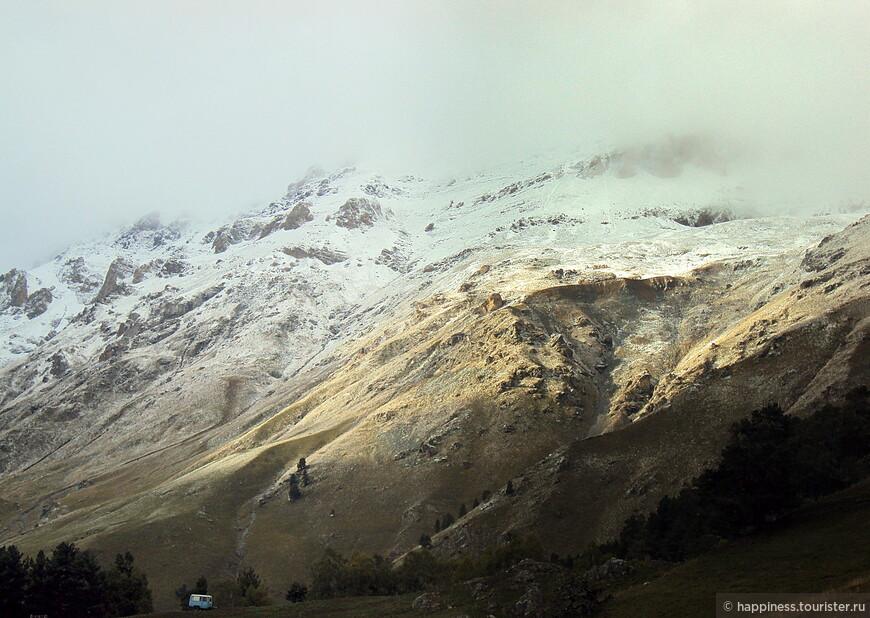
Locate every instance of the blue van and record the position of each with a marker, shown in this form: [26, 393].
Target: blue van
[199, 601]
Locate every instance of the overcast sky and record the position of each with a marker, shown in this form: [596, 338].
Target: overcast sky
[112, 109]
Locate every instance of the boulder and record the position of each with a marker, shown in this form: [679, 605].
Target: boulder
[494, 301]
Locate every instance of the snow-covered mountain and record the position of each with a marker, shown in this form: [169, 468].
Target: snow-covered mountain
[359, 298]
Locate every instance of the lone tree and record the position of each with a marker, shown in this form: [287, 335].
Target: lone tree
[462, 510]
[425, 541]
[437, 525]
[509, 489]
[301, 465]
[448, 521]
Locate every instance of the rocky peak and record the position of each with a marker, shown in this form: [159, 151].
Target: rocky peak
[149, 222]
[149, 232]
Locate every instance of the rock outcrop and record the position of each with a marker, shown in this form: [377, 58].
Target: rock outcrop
[358, 213]
[13, 289]
[323, 254]
[296, 218]
[113, 283]
[37, 303]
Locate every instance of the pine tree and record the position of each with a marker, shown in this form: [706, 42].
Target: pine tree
[294, 492]
[78, 586]
[13, 582]
[437, 525]
[128, 591]
[448, 521]
[462, 510]
[38, 594]
[509, 489]
[425, 541]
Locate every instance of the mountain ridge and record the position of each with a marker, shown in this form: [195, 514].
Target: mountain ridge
[456, 335]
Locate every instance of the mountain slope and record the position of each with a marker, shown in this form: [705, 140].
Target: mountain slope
[564, 326]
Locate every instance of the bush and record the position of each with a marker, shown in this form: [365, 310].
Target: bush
[244, 591]
[296, 593]
[327, 575]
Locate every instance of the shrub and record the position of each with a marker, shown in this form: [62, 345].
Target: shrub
[296, 593]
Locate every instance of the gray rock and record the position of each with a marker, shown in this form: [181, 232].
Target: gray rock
[37, 303]
[13, 289]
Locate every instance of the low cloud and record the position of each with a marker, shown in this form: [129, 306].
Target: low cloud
[114, 109]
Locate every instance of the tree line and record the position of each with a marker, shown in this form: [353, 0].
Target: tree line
[772, 464]
[70, 584]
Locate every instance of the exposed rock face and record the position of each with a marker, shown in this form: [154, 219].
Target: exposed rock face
[37, 303]
[160, 267]
[13, 289]
[228, 235]
[395, 258]
[358, 213]
[704, 217]
[298, 216]
[323, 254]
[119, 270]
[59, 364]
[78, 276]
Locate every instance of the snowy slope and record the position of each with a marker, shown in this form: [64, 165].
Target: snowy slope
[585, 211]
